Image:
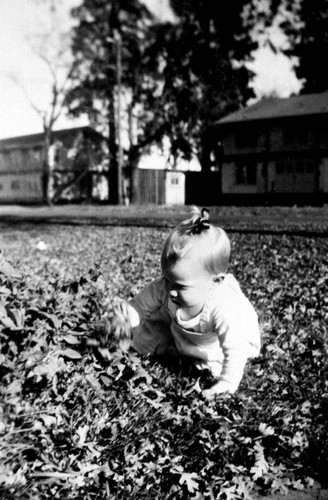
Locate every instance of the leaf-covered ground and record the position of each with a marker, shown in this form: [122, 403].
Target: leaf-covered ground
[84, 421]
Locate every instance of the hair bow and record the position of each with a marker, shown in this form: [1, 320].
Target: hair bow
[201, 223]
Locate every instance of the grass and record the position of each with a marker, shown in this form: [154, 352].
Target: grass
[271, 219]
[81, 420]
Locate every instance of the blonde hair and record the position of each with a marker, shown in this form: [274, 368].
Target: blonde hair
[209, 241]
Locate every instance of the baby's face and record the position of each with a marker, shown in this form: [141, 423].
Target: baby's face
[188, 283]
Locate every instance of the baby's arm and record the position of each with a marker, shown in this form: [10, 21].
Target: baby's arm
[231, 375]
[128, 315]
[234, 329]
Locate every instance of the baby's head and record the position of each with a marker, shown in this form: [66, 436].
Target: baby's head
[196, 237]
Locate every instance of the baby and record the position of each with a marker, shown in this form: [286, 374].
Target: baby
[196, 306]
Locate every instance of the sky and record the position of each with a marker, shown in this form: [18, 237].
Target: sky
[21, 18]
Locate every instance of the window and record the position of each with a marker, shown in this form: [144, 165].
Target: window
[37, 154]
[174, 181]
[246, 173]
[5, 161]
[246, 139]
[309, 167]
[290, 167]
[295, 166]
[280, 167]
[292, 135]
[15, 185]
[299, 167]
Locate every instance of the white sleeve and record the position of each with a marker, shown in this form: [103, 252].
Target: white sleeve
[146, 302]
[236, 327]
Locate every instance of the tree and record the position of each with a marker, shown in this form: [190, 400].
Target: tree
[306, 27]
[49, 47]
[108, 33]
[203, 73]
[177, 78]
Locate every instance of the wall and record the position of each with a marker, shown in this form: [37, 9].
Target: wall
[295, 175]
[323, 175]
[203, 188]
[21, 175]
[243, 139]
[21, 188]
[229, 184]
[151, 186]
[285, 151]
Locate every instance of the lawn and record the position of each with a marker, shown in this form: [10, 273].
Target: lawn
[82, 418]
[295, 219]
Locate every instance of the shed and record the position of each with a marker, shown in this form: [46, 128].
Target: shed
[161, 186]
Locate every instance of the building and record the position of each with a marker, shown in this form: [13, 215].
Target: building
[272, 152]
[78, 171]
[161, 186]
[275, 151]
[73, 156]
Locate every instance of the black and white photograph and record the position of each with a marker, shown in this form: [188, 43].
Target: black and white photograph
[163, 250]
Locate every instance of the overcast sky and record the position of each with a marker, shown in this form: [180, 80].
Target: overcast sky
[20, 17]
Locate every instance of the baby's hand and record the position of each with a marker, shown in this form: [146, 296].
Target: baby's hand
[114, 325]
[122, 327]
[216, 389]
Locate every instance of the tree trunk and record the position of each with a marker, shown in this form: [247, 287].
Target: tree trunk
[133, 159]
[112, 147]
[113, 191]
[219, 158]
[47, 179]
[205, 153]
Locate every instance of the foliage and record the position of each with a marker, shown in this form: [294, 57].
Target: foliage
[81, 419]
[306, 31]
[95, 50]
[109, 35]
[177, 77]
[204, 75]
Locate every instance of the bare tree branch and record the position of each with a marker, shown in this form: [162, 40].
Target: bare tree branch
[14, 79]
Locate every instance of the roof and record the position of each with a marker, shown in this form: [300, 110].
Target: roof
[38, 139]
[269, 108]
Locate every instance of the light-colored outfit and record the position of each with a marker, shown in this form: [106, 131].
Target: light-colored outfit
[222, 336]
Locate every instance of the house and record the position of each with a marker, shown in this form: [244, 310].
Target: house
[21, 169]
[275, 151]
[272, 152]
[78, 171]
[73, 156]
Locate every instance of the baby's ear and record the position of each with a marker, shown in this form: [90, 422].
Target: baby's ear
[205, 213]
[218, 277]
